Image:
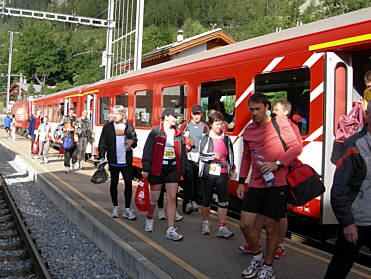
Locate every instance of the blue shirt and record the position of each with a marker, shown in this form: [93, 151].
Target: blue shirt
[7, 121]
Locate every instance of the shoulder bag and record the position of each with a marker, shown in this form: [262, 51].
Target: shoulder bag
[304, 184]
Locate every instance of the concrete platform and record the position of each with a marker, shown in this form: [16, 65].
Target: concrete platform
[150, 255]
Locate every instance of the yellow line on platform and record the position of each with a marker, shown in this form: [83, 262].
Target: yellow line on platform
[159, 248]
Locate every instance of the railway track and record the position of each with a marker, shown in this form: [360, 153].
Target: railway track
[19, 257]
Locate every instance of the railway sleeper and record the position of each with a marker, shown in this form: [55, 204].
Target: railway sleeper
[13, 255]
[16, 268]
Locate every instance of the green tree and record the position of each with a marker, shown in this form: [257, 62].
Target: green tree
[192, 27]
[157, 36]
[38, 51]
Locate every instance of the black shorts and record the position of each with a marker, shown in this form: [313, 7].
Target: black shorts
[169, 174]
[7, 129]
[270, 202]
[220, 183]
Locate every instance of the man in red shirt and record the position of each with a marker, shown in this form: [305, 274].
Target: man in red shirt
[281, 108]
[266, 194]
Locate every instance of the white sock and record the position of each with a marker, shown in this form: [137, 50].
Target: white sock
[258, 257]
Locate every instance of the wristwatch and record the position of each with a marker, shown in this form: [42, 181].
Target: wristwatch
[278, 163]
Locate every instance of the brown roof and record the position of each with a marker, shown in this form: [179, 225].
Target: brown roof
[214, 38]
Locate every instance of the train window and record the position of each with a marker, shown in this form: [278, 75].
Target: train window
[219, 96]
[175, 97]
[61, 113]
[122, 100]
[103, 110]
[143, 108]
[45, 113]
[340, 93]
[55, 112]
[50, 113]
[293, 85]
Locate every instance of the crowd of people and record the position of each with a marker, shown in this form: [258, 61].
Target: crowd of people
[199, 158]
[74, 134]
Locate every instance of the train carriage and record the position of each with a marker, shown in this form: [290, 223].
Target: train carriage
[318, 67]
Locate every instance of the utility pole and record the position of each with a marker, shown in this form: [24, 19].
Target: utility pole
[111, 26]
[10, 67]
[20, 86]
[139, 36]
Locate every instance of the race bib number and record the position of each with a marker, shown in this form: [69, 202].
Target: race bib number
[169, 153]
[214, 169]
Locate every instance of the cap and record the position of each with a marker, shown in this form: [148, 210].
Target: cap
[170, 111]
[196, 108]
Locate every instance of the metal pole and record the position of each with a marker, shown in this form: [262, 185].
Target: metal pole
[20, 87]
[9, 70]
[111, 26]
[139, 36]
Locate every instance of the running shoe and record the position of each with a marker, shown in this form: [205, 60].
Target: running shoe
[75, 166]
[128, 213]
[187, 208]
[67, 170]
[41, 161]
[266, 272]
[205, 228]
[161, 214]
[148, 225]
[115, 212]
[246, 248]
[171, 234]
[281, 252]
[46, 161]
[253, 268]
[178, 217]
[223, 232]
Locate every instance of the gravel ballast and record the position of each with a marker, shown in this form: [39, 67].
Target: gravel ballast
[67, 252]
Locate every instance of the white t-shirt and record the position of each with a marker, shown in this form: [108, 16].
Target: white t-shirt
[120, 143]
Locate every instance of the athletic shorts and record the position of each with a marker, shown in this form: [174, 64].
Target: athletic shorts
[169, 174]
[220, 183]
[7, 129]
[270, 202]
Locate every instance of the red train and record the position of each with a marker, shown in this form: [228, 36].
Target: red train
[319, 67]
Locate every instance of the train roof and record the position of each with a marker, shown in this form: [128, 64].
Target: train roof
[77, 88]
[299, 31]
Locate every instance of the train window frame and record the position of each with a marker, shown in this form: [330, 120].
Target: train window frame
[230, 116]
[147, 116]
[340, 93]
[296, 85]
[180, 107]
[55, 112]
[45, 110]
[103, 112]
[50, 112]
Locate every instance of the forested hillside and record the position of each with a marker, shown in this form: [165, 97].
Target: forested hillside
[66, 55]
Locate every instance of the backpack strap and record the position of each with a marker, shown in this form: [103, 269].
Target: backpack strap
[275, 125]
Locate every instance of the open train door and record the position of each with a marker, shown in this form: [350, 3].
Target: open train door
[90, 103]
[338, 101]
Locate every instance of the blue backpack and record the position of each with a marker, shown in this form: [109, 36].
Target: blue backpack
[67, 142]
